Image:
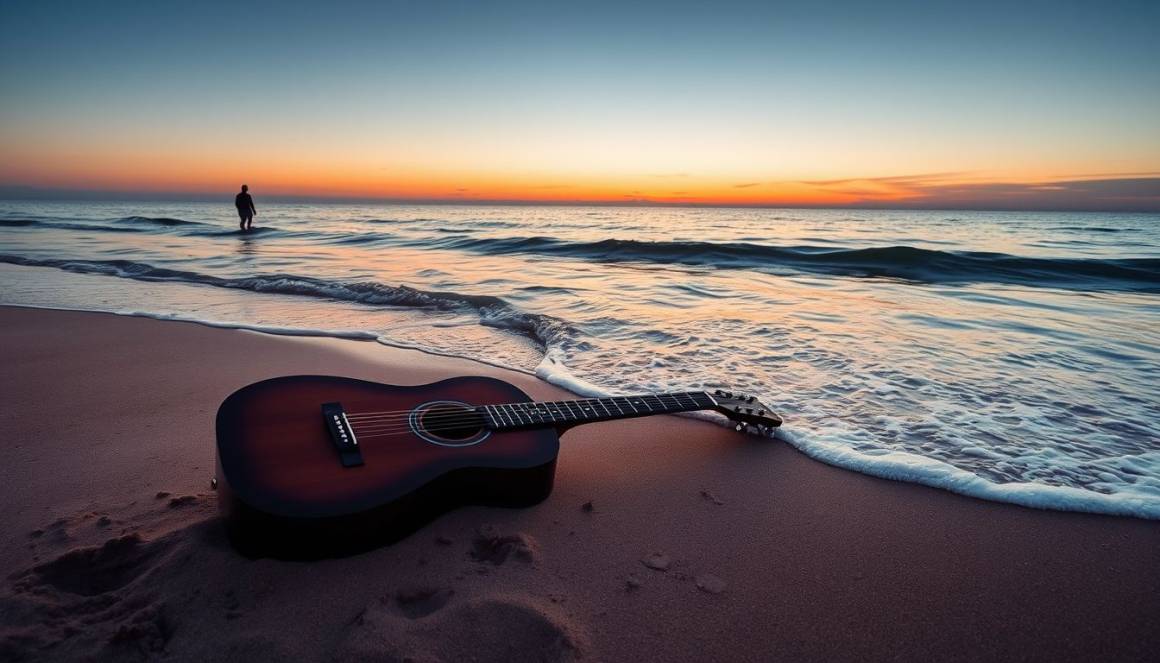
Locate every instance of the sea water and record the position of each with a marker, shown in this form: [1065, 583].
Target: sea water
[1012, 356]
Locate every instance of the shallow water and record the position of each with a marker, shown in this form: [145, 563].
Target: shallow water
[1010, 356]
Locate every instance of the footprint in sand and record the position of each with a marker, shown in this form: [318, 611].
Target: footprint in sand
[495, 629]
[710, 583]
[492, 547]
[104, 596]
[182, 501]
[93, 571]
[94, 602]
[418, 602]
[657, 561]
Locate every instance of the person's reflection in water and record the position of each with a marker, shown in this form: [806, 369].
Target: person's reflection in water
[247, 247]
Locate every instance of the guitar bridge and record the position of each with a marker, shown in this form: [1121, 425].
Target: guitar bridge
[342, 434]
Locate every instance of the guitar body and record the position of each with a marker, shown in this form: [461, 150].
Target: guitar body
[289, 489]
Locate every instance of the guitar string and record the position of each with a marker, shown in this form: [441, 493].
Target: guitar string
[388, 414]
[540, 409]
[451, 421]
[470, 416]
[395, 433]
[407, 430]
[377, 424]
[385, 425]
[673, 395]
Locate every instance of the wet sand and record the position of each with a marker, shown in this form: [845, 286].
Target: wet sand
[665, 538]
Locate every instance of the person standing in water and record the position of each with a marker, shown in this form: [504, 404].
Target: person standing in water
[246, 210]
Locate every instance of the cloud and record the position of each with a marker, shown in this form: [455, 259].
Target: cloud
[948, 190]
[919, 179]
[745, 185]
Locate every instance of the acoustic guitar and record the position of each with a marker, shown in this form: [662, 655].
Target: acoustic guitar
[318, 466]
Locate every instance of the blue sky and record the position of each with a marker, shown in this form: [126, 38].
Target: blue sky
[500, 94]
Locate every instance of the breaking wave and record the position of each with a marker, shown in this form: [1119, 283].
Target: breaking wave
[492, 311]
[902, 262]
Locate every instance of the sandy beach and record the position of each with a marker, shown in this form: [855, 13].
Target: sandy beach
[701, 544]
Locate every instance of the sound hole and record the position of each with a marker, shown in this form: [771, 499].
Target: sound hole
[451, 422]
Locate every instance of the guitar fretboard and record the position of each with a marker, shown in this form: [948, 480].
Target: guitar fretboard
[508, 416]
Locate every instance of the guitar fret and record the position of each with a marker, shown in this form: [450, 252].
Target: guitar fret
[515, 414]
[490, 417]
[503, 415]
[550, 413]
[586, 408]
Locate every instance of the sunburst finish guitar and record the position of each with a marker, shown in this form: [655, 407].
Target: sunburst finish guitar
[317, 466]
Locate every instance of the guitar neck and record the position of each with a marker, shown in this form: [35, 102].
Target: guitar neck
[564, 414]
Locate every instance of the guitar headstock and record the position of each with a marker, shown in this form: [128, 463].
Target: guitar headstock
[746, 412]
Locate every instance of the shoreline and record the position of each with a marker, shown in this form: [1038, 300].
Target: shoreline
[906, 467]
[767, 552]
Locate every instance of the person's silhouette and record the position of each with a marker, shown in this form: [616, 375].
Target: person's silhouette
[246, 209]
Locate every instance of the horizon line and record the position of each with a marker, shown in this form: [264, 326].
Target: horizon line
[40, 194]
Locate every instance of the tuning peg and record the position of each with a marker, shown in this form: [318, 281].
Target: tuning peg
[739, 427]
[718, 392]
[728, 394]
[751, 399]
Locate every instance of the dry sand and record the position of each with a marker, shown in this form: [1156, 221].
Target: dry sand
[665, 539]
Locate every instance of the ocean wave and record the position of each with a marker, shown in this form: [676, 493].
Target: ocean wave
[492, 311]
[186, 228]
[234, 232]
[902, 262]
[158, 221]
[1140, 501]
[65, 225]
[1095, 229]
[120, 225]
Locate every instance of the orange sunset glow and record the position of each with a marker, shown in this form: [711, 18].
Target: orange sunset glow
[357, 177]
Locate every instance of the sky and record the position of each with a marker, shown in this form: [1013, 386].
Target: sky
[1013, 105]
